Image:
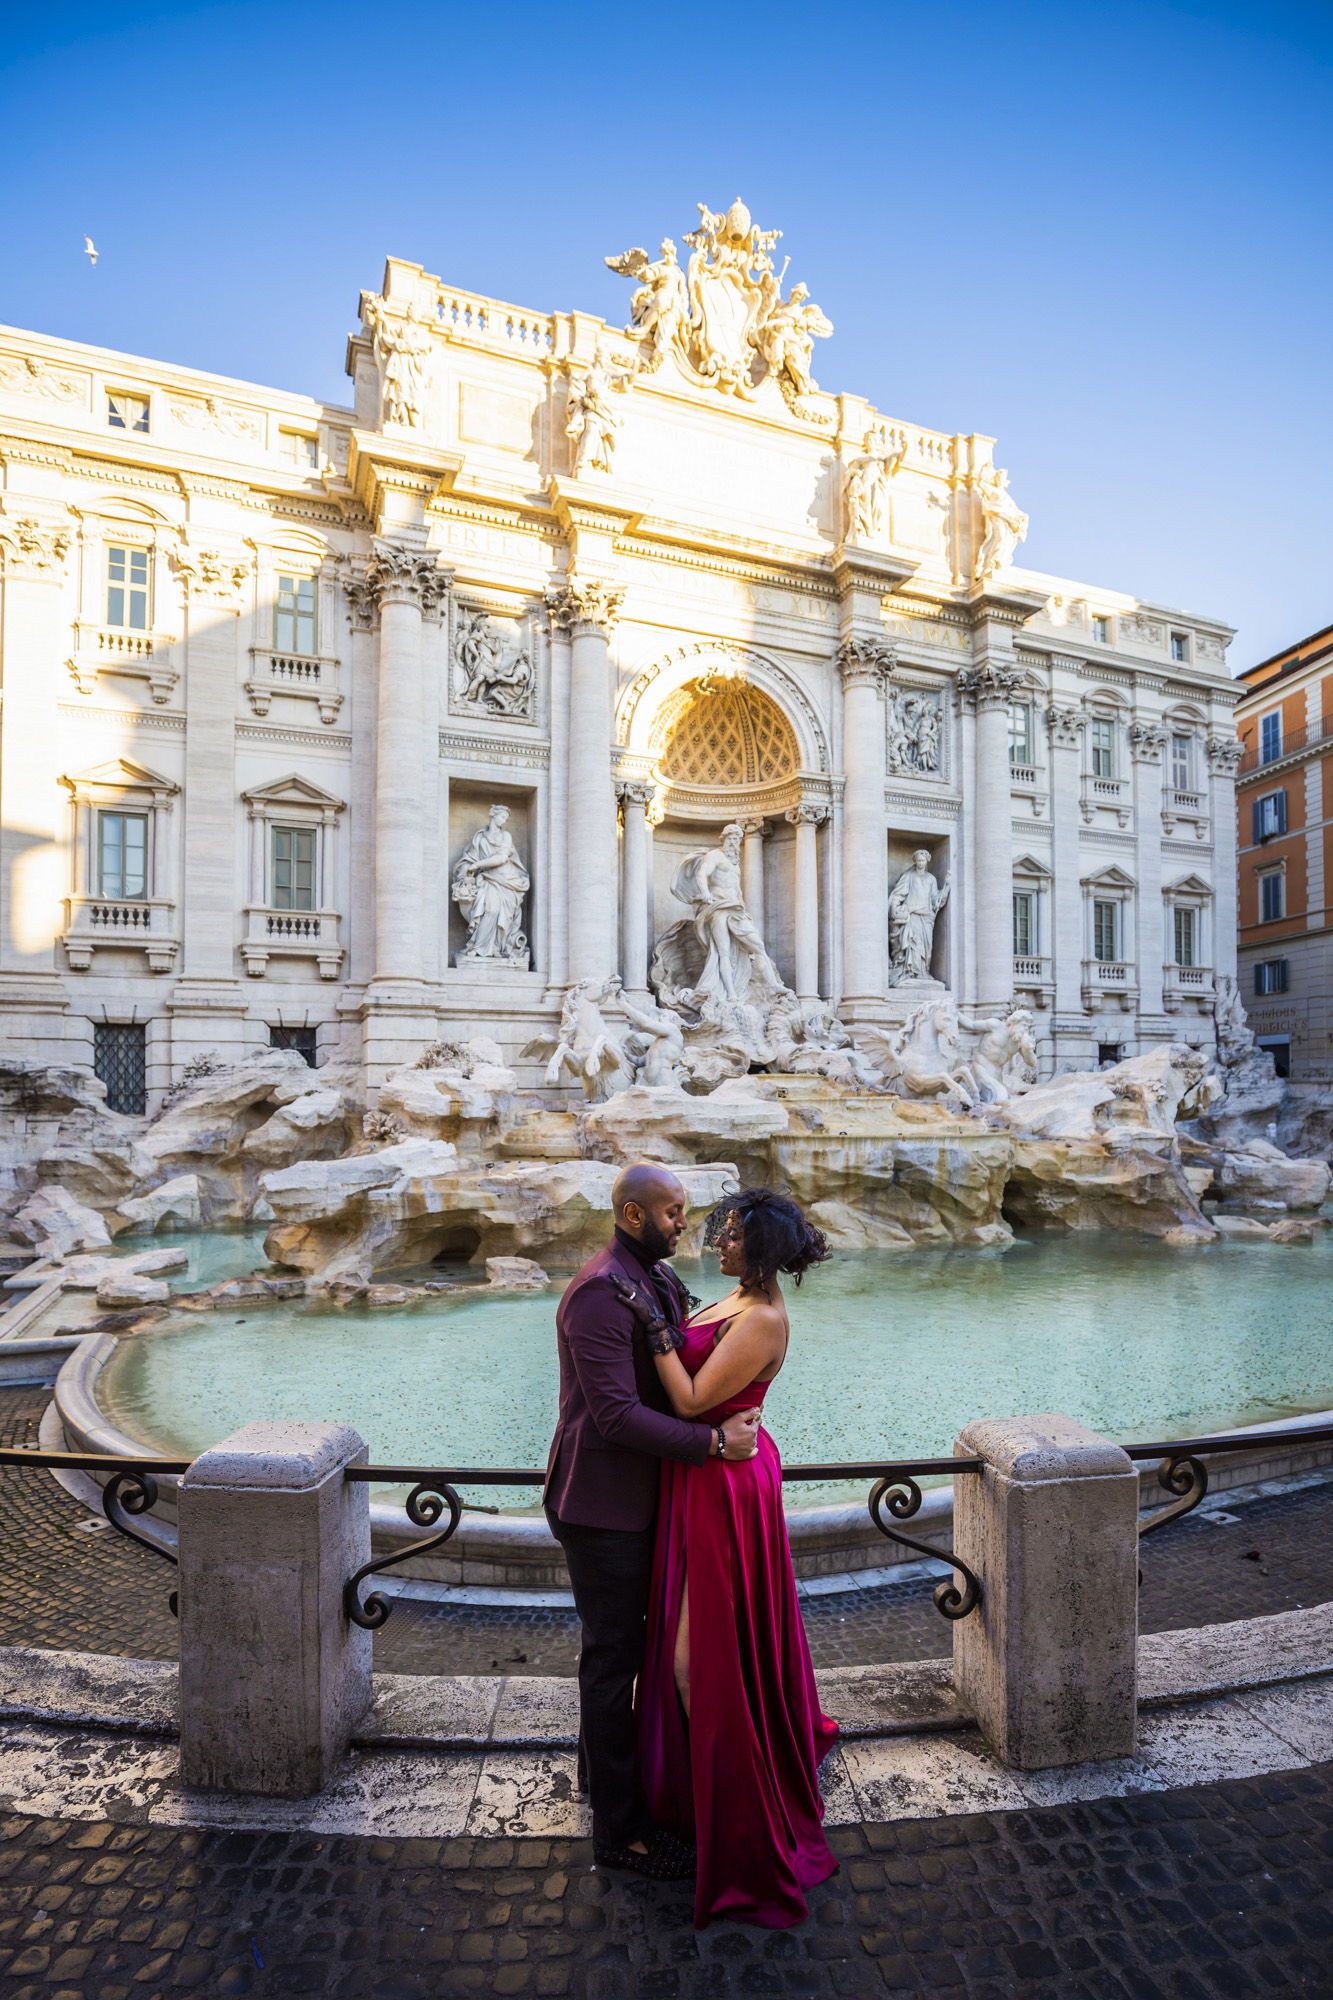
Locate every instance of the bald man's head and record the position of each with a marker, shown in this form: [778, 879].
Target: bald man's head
[650, 1206]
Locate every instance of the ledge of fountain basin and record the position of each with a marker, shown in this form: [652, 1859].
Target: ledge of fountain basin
[518, 1552]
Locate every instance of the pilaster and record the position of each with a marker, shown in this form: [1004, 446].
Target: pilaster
[587, 607]
[34, 864]
[1146, 743]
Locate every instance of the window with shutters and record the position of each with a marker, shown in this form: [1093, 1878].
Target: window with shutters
[1106, 932]
[1270, 736]
[1271, 896]
[1269, 815]
[129, 577]
[1102, 738]
[294, 615]
[294, 867]
[122, 855]
[1020, 732]
[1025, 924]
[1270, 976]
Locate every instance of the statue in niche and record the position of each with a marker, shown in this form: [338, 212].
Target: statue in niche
[502, 685]
[401, 349]
[866, 492]
[735, 968]
[489, 885]
[592, 423]
[583, 1047]
[914, 734]
[659, 310]
[657, 1048]
[1005, 523]
[914, 904]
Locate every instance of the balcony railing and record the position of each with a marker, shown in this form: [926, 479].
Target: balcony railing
[1187, 982]
[1305, 738]
[1022, 774]
[311, 676]
[115, 649]
[119, 923]
[1107, 978]
[271, 933]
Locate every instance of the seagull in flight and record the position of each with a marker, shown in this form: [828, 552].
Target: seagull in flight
[91, 248]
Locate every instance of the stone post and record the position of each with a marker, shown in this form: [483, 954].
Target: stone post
[988, 689]
[1047, 1662]
[1154, 947]
[807, 820]
[864, 665]
[273, 1676]
[752, 868]
[588, 609]
[635, 800]
[1223, 757]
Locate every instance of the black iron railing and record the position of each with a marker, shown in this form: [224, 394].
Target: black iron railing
[435, 1492]
[1183, 1472]
[130, 1490]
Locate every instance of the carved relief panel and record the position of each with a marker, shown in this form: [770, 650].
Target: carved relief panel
[492, 664]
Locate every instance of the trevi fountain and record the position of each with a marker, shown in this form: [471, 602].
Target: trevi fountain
[601, 744]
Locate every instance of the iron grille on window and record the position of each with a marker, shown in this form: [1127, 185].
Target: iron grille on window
[120, 1060]
[301, 1039]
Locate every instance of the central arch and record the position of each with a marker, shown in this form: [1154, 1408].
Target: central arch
[647, 705]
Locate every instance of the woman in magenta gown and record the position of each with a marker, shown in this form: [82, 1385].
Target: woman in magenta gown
[731, 1735]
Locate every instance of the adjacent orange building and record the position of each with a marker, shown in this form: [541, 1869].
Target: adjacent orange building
[1284, 800]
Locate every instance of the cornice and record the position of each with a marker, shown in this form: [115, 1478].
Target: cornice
[739, 568]
[328, 739]
[122, 718]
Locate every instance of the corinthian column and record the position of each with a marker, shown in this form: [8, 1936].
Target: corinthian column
[807, 820]
[988, 689]
[406, 583]
[752, 868]
[588, 610]
[635, 799]
[864, 665]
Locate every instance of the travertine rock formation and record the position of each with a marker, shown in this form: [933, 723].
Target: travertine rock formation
[416, 1201]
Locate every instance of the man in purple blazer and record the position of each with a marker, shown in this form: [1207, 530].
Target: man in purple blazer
[601, 1497]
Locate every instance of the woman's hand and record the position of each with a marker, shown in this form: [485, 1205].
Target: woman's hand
[662, 1337]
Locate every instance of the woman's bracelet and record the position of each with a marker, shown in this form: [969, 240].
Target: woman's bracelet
[661, 1339]
[721, 1441]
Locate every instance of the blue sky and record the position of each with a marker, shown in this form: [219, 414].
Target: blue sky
[1098, 233]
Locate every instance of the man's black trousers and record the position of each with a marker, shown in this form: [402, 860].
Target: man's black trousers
[610, 1570]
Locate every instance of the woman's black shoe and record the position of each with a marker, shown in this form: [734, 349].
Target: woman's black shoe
[669, 1858]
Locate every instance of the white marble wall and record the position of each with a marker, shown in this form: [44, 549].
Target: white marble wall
[715, 547]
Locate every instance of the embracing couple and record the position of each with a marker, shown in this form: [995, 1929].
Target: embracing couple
[665, 1492]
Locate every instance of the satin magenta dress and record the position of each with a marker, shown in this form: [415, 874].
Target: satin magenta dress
[741, 1775]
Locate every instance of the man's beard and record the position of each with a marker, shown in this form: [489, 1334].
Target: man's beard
[654, 1243]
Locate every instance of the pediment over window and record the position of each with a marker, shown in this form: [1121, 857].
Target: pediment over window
[1188, 885]
[1030, 869]
[284, 794]
[119, 775]
[1109, 878]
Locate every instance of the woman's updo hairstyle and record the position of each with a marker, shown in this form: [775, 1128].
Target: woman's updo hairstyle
[776, 1235]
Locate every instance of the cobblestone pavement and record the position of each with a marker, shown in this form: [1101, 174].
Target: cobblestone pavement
[64, 1585]
[1216, 1893]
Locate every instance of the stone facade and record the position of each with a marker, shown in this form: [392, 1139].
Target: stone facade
[269, 664]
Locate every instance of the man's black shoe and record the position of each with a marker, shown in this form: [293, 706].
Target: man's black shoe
[669, 1858]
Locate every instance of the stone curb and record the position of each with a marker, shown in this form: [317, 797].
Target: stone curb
[539, 1713]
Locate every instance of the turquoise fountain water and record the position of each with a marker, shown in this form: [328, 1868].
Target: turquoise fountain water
[891, 1355]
